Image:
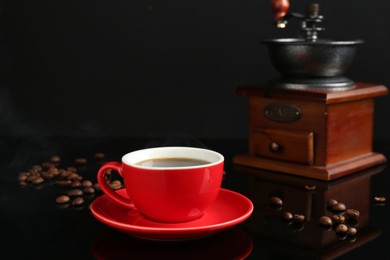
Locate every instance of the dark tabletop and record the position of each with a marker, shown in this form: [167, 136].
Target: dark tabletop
[34, 226]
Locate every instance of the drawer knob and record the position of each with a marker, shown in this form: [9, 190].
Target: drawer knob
[274, 147]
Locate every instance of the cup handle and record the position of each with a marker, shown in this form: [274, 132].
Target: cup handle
[116, 166]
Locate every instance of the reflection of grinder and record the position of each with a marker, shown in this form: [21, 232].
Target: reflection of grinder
[308, 197]
[312, 121]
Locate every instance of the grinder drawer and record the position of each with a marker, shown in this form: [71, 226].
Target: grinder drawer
[293, 146]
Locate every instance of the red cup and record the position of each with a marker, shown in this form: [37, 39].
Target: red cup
[167, 193]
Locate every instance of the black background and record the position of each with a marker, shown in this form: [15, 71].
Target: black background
[158, 68]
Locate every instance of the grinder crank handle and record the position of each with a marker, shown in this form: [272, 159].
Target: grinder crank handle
[280, 8]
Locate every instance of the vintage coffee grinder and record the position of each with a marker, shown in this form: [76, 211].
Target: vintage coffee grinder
[312, 121]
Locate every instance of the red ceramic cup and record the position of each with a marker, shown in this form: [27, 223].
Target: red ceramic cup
[167, 193]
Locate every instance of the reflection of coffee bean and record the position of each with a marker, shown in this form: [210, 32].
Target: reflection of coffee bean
[339, 207]
[298, 226]
[62, 199]
[326, 221]
[310, 187]
[276, 201]
[63, 205]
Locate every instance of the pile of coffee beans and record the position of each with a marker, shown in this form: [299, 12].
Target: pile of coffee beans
[73, 188]
[341, 220]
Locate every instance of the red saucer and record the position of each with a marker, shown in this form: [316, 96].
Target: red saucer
[229, 209]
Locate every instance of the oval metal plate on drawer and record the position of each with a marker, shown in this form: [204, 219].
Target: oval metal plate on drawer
[282, 112]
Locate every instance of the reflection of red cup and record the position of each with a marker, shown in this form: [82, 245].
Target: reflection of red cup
[167, 193]
[230, 244]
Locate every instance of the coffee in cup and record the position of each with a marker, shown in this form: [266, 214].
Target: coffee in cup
[167, 184]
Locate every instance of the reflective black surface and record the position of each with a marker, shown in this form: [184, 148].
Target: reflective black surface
[34, 227]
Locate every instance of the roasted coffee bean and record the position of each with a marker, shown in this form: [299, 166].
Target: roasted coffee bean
[276, 201]
[63, 183]
[352, 213]
[326, 221]
[47, 175]
[339, 207]
[55, 159]
[351, 231]
[75, 184]
[22, 177]
[53, 170]
[332, 202]
[48, 165]
[24, 174]
[78, 201]
[108, 175]
[22, 184]
[89, 190]
[64, 173]
[74, 176]
[80, 160]
[99, 156]
[338, 219]
[380, 199]
[36, 168]
[72, 169]
[96, 186]
[310, 187]
[62, 199]
[115, 184]
[74, 193]
[38, 180]
[287, 216]
[87, 183]
[299, 218]
[342, 228]
[31, 178]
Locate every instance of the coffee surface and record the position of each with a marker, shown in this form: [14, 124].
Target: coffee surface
[172, 162]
